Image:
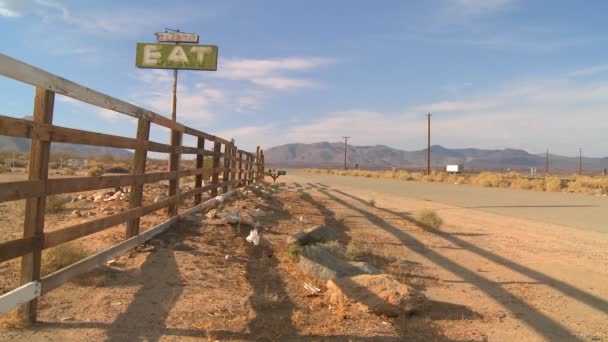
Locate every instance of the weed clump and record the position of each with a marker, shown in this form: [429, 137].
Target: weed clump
[294, 250]
[58, 257]
[55, 203]
[96, 171]
[429, 218]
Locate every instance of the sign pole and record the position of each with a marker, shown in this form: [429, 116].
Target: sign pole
[174, 101]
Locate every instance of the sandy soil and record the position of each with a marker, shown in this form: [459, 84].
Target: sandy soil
[487, 277]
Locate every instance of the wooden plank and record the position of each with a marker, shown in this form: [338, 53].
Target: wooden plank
[227, 153]
[20, 295]
[16, 248]
[12, 191]
[200, 161]
[139, 167]
[216, 164]
[257, 163]
[33, 226]
[26, 73]
[56, 279]
[174, 160]
[76, 231]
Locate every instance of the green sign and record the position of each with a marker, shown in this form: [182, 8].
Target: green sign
[282, 173]
[176, 56]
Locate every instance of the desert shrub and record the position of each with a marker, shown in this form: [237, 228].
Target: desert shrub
[96, 171]
[294, 250]
[429, 218]
[56, 203]
[58, 257]
[553, 183]
[334, 247]
[117, 169]
[354, 252]
[68, 171]
[521, 183]
[371, 202]
[53, 165]
[4, 168]
[486, 179]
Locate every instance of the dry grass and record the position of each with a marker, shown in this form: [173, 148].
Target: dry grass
[58, 257]
[590, 185]
[429, 218]
[96, 171]
[55, 203]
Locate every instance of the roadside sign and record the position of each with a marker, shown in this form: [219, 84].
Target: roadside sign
[176, 56]
[177, 37]
[282, 173]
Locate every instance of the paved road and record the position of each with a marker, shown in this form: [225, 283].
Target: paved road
[579, 211]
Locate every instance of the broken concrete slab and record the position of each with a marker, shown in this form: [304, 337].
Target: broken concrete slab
[321, 264]
[380, 294]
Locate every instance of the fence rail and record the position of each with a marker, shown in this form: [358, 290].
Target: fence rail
[238, 168]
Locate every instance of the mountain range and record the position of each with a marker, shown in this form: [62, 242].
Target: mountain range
[22, 145]
[331, 155]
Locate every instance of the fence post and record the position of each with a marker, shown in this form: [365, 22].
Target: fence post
[217, 147]
[33, 225]
[174, 159]
[261, 165]
[200, 163]
[256, 175]
[233, 165]
[226, 167]
[139, 168]
[240, 169]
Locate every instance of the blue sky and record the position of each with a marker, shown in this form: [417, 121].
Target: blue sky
[494, 73]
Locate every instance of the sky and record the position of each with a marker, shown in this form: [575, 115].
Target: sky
[494, 73]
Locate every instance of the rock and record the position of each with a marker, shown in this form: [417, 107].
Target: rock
[212, 213]
[380, 294]
[320, 233]
[258, 213]
[68, 318]
[180, 246]
[98, 196]
[161, 197]
[76, 213]
[232, 216]
[81, 197]
[319, 263]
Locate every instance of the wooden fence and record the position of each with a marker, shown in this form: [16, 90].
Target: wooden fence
[238, 168]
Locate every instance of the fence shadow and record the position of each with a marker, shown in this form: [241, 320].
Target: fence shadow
[541, 323]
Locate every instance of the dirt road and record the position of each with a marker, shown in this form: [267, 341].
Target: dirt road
[579, 211]
[522, 280]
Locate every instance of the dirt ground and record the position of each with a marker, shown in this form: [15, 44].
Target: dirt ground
[487, 278]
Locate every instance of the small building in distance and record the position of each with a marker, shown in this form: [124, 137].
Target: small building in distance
[454, 168]
[78, 162]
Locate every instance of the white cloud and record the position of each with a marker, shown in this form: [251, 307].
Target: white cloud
[479, 7]
[596, 69]
[271, 73]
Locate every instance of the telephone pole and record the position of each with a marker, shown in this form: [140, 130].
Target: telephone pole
[428, 150]
[345, 148]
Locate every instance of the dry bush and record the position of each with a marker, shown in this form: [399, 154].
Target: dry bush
[486, 179]
[589, 185]
[429, 218]
[334, 247]
[56, 203]
[58, 257]
[117, 169]
[521, 183]
[553, 183]
[68, 171]
[4, 168]
[96, 171]
[371, 202]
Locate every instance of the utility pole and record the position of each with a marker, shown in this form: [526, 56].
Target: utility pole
[580, 161]
[428, 150]
[345, 148]
[547, 163]
[60, 160]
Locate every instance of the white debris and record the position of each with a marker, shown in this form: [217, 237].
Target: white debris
[304, 220]
[313, 289]
[254, 237]
[219, 199]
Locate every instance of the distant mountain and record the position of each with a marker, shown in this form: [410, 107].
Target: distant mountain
[22, 145]
[325, 154]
